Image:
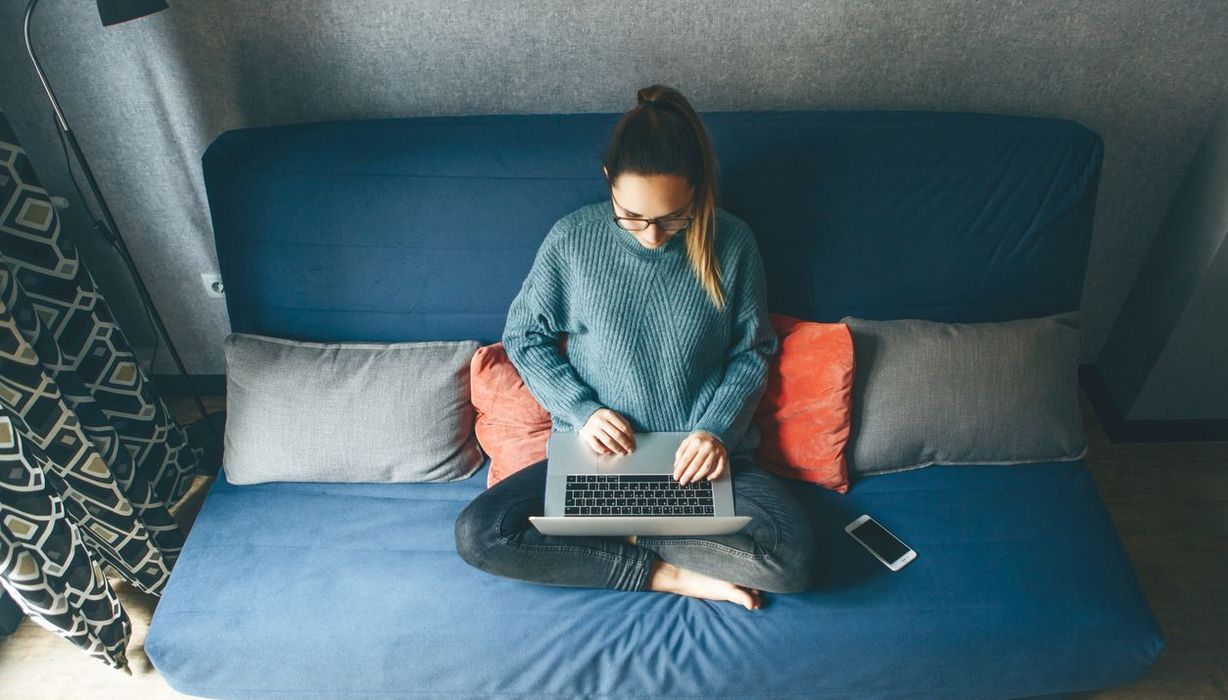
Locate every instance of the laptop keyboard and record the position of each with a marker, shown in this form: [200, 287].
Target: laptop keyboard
[636, 494]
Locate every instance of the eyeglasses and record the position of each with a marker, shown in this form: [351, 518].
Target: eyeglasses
[668, 224]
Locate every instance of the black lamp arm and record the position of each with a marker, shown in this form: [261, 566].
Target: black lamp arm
[108, 227]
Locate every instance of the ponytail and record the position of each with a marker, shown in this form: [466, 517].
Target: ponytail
[663, 135]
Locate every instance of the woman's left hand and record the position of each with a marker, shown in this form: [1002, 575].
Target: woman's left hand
[700, 455]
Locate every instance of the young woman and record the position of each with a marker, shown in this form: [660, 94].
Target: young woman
[662, 296]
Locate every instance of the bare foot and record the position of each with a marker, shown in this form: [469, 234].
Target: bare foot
[667, 577]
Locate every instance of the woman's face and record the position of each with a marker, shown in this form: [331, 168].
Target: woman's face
[650, 197]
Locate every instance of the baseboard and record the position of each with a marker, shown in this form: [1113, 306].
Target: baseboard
[10, 614]
[211, 439]
[1118, 429]
[174, 385]
[208, 435]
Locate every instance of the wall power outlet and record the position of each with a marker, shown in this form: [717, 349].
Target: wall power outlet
[213, 285]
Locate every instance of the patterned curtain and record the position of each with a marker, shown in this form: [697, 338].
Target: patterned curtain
[90, 458]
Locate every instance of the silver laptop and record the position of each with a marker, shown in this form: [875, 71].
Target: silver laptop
[634, 494]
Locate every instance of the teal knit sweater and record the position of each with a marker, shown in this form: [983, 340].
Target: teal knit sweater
[643, 338]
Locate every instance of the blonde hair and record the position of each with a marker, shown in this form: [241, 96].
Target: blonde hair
[663, 135]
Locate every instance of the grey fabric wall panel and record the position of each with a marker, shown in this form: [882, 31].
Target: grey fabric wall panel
[1164, 359]
[147, 97]
[1190, 378]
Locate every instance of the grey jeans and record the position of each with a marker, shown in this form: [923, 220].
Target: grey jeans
[775, 552]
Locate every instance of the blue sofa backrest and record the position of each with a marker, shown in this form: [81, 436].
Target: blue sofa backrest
[424, 228]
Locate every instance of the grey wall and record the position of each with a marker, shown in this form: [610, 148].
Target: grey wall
[147, 97]
[1167, 354]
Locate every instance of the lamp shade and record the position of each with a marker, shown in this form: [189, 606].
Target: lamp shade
[116, 11]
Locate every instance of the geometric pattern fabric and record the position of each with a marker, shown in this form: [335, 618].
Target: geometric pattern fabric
[90, 457]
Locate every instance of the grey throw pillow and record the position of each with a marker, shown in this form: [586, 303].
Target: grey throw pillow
[355, 412]
[927, 393]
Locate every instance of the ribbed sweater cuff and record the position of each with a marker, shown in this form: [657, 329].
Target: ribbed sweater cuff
[722, 435]
[582, 411]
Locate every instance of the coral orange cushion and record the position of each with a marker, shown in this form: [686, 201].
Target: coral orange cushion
[511, 427]
[804, 415]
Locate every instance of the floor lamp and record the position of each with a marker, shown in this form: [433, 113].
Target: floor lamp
[113, 12]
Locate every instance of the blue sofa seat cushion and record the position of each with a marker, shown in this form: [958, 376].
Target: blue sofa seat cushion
[1021, 587]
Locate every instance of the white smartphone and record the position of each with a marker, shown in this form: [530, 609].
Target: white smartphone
[885, 546]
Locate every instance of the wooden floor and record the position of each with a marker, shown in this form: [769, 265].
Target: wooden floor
[1169, 501]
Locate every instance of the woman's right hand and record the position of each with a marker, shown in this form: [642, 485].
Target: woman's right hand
[607, 432]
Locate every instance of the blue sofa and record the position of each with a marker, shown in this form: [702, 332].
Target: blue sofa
[424, 229]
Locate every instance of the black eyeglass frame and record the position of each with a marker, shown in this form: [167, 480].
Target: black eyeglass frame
[649, 222]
